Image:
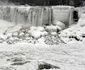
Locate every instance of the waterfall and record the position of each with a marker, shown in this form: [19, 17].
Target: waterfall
[63, 14]
[35, 15]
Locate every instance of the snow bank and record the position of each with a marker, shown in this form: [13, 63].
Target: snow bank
[74, 34]
[81, 11]
[81, 22]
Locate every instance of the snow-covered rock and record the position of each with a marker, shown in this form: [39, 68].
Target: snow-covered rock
[60, 24]
[3, 38]
[15, 34]
[81, 22]
[40, 28]
[44, 33]
[9, 34]
[21, 35]
[36, 34]
[52, 39]
[51, 28]
[33, 28]
[59, 28]
[54, 33]
[73, 34]
[10, 40]
[27, 35]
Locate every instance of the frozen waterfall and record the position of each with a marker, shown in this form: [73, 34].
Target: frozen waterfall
[36, 15]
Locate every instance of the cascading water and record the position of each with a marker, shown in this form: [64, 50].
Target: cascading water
[37, 15]
[34, 16]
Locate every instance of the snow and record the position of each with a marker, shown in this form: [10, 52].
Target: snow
[4, 25]
[70, 56]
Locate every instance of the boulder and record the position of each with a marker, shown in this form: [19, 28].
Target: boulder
[60, 24]
[44, 33]
[2, 38]
[81, 22]
[58, 28]
[36, 34]
[15, 34]
[10, 40]
[33, 28]
[51, 28]
[40, 28]
[27, 35]
[53, 33]
[21, 35]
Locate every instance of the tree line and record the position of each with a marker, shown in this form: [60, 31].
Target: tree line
[48, 2]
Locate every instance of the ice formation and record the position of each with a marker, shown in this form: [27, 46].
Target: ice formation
[36, 15]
